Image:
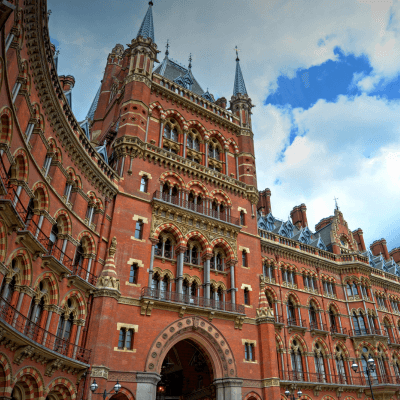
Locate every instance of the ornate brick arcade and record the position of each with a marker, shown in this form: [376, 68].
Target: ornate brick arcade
[135, 246]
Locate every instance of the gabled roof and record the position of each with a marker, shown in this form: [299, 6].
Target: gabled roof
[176, 72]
[93, 107]
[147, 28]
[102, 150]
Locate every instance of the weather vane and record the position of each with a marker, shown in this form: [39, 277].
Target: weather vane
[190, 61]
[336, 203]
[167, 46]
[237, 53]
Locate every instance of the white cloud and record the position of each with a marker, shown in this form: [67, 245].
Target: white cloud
[349, 149]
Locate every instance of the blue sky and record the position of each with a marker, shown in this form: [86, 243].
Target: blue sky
[324, 77]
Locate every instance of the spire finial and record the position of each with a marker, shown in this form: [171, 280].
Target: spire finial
[190, 61]
[336, 202]
[237, 53]
[167, 46]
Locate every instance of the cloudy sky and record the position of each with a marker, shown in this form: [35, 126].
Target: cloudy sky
[324, 76]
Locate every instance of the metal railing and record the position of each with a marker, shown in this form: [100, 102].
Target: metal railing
[175, 297]
[319, 377]
[367, 331]
[199, 208]
[315, 325]
[300, 323]
[13, 318]
[338, 329]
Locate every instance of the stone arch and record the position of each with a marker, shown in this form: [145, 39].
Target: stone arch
[346, 398]
[369, 346]
[176, 115]
[41, 199]
[252, 396]
[164, 178]
[6, 122]
[279, 342]
[384, 348]
[64, 386]
[323, 345]
[3, 241]
[80, 300]
[201, 238]
[5, 375]
[305, 397]
[63, 221]
[235, 146]
[225, 245]
[203, 333]
[198, 183]
[334, 306]
[169, 228]
[24, 277]
[123, 392]
[302, 342]
[196, 125]
[343, 347]
[53, 284]
[328, 397]
[20, 169]
[55, 150]
[30, 377]
[218, 136]
[271, 291]
[157, 106]
[163, 273]
[312, 300]
[223, 194]
[87, 242]
[294, 297]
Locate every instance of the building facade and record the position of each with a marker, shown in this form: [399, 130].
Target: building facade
[136, 248]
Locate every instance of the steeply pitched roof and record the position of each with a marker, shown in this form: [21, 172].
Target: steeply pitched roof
[176, 72]
[147, 28]
[239, 86]
[93, 107]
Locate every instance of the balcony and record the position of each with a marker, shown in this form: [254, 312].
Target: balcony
[337, 331]
[278, 321]
[367, 332]
[296, 324]
[318, 328]
[23, 331]
[12, 210]
[33, 238]
[199, 209]
[191, 301]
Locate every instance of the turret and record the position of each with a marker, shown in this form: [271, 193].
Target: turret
[241, 106]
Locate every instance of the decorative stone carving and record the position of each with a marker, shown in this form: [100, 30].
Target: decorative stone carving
[53, 366]
[99, 372]
[22, 353]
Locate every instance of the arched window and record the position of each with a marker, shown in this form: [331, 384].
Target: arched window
[244, 258]
[268, 271]
[332, 320]
[291, 313]
[313, 318]
[365, 356]
[168, 249]
[64, 332]
[357, 329]
[53, 238]
[242, 218]
[319, 364]
[396, 367]
[349, 291]
[297, 362]
[340, 365]
[167, 131]
[355, 290]
[79, 256]
[30, 213]
[192, 254]
[246, 293]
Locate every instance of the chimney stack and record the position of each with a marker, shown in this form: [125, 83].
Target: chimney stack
[264, 202]
[299, 216]
[395, 253]
[221, 102]
[67, 82]
[378, 247]
[359, 238]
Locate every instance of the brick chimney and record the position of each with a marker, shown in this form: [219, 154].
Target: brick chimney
[378, 247]
[395, 253]
[264, 202]
[359, 238]
[324, 222]
[221, 102]
[67, 82]
[299, 216]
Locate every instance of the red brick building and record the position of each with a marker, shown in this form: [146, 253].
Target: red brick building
[136, 248]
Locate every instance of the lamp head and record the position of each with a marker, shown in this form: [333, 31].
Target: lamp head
[117, 387]
[299, 393]
[354, 366]
[371, 364]
[287, 392]
[94, 386]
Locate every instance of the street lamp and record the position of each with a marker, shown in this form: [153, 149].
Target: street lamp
[292, 396]
[94, 386]
[370, 368]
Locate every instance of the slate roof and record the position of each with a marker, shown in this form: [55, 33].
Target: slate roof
[239, 86]
[287, 229]
[183, 76]
[93, 107]
[147, 28]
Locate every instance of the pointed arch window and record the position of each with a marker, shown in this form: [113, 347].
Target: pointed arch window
[319, 364]
[53, 238]
[313, 317]
[332, 320]
[340, 365]
[366, 355]
[291, 313]
[297, 362]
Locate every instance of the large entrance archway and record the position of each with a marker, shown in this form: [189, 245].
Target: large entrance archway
[186, 371]
[208, 350]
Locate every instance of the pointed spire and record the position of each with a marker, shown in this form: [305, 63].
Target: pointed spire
[147, 28]
[167, 47]
[239, 86]
[93, 107]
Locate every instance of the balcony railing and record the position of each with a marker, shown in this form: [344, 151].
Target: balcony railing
[192, 300]
[34, 332]
[328, 378]
[294, 322]
[367, 332]
[338, 330]
[198, 208]
[317, 326]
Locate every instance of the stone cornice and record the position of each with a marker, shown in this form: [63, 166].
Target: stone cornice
[48, 87]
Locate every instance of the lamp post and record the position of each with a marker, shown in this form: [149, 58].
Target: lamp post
[292, 396]
[370, 368]
[94, 386]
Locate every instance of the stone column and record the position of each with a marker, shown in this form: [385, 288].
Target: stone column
[207, 259]
[161, 133]
[228, 388]
[154, 242]
[206, 152]
[146, 385]
[184, 143]
[226, 162]
[147, 127]
[233, 288]
[237, 166]
[180, 251]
